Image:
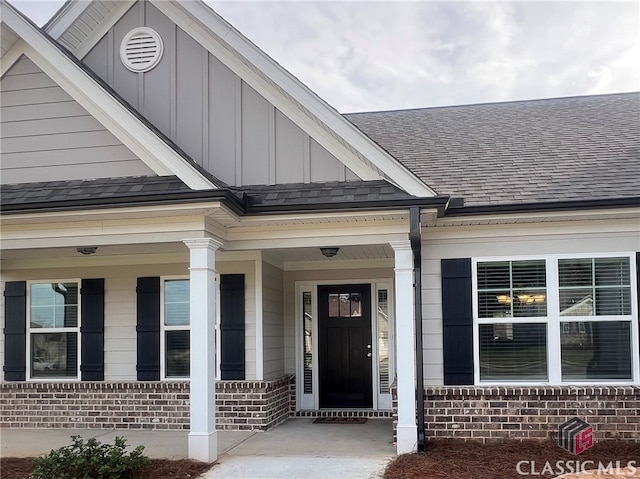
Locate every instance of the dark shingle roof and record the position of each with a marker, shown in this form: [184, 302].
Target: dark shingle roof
[564, 149]
[109, 192]
[81, 190]
[323, 193]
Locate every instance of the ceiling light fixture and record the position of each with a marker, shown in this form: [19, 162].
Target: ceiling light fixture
[87, 250]
[329, 252]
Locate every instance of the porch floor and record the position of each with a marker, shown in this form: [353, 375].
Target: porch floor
[296, 448]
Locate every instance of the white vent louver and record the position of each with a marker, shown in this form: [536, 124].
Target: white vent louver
[141, 49]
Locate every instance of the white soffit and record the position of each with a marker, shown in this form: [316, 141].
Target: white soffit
[124, 125]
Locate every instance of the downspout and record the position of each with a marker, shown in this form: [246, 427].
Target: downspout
[416, 248]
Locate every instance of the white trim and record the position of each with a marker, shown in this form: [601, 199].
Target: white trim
[164, 329]
[124, 125]
[312, 401]
[106, 23]
[76, 329]
[11, 57]
[553, 319]
[259, 320]
[357, 151]
[384, 399]
[65, 17]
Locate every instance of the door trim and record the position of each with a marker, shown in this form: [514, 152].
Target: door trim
[312, 401]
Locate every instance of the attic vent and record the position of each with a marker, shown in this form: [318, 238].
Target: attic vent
[141, 49]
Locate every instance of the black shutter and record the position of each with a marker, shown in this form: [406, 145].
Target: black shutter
[15, 330]
[148, 329]
[92, 330]
[232, 326]
[457, 318]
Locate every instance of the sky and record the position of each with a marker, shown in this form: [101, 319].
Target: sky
[387, 55]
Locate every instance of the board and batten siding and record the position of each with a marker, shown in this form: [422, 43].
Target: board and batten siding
[504, 240]
[212, 114]
[120, 307]
[273, 320]
[45, 135]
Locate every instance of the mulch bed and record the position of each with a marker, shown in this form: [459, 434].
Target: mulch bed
[455, 459]
[20, 468]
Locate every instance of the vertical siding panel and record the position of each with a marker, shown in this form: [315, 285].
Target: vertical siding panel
[255, 137]
[223, 119]
[290, 157]
[324, 166]
[189, 95]
[157, 93]
[125, 82]
[97, 58]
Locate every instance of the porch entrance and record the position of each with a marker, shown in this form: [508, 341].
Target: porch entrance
[345, 351]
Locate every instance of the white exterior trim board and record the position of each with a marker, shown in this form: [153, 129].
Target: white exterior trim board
[107, 110]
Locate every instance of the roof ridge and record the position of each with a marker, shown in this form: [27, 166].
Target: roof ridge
[489, 103]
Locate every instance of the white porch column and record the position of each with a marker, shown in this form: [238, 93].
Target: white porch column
[407, 430]
[203, 440]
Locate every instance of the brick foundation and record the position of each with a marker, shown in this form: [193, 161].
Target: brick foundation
[241, 405]
[497, 413]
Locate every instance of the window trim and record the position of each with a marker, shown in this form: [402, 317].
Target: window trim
[163, 329]
[553, 319]
[77, 329]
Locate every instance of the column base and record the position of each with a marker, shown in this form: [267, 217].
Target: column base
[406, 439]
[203, 446]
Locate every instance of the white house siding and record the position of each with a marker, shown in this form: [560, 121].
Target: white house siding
[120, 306]
[272, 320]
[360, 275]
[218, 119]
[505, 240]
[45, 135]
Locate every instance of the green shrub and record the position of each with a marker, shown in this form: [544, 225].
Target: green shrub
[90, 460]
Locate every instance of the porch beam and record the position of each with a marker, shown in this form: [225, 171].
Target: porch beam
[203, 440]
[407, 430]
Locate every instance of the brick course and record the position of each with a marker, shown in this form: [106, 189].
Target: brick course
[241, 405]
[496, 413]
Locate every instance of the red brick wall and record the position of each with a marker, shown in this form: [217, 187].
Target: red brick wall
[241, 405]
[496, 413]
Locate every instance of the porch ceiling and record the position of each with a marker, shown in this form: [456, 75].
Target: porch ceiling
[345, 253]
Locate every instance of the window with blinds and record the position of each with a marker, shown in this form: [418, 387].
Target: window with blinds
[307, 342]
[383, 340]
[595, 307]
[176, 331]
[557, 320]
[512, 350]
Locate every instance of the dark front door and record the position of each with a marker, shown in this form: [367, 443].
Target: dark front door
[344, 341]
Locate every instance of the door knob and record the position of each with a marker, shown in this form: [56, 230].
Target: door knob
[368, 355]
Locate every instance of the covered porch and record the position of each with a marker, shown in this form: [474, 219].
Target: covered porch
[305, 317]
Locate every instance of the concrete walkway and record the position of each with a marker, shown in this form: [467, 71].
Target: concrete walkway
[296, 449]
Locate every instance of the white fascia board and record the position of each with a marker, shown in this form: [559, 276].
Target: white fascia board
[65, 17]
[161, 158]
[290, 96]
[12, 56]
[122, 7]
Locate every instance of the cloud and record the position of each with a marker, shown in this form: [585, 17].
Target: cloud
[375, 55]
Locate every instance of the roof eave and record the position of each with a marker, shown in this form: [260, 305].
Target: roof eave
[539, 207]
